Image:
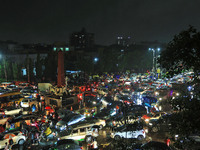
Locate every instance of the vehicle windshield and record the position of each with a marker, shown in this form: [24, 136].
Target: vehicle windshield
[67, 118]
[25, 100]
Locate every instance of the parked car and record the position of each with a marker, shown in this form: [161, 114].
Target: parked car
[129, 131]
[16, 136]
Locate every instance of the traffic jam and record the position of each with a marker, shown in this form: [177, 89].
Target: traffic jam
[106, 112]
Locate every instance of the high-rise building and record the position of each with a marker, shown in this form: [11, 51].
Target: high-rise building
[82, 40]
[124, 41]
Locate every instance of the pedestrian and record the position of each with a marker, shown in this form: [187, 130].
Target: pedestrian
[94, 145]
[6, 147]
[167, 141]
[10, 144]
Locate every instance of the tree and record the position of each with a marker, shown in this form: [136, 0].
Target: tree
[50, 63]
[29, 68]
[38, 66]
[182, 53]
[5, 69]
[15, 71]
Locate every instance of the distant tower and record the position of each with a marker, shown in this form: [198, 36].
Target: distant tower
[61, 73]
[61, 48]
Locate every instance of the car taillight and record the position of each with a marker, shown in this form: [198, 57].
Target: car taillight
[81, 147]
[22, 133]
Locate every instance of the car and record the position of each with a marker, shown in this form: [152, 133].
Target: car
[12, 88]
[16, 136]
[82, 131]
[5, 84]
[28, 92]
[69, 120]
[23, 85]
[129, 131]
[63, 113]
[138, 110]
[68, 144]
[28, 102]
[11, 111]
[102, 91]
[153, 116]
[125, 92]
[155, 145]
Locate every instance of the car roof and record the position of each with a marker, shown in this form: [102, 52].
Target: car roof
[65, 141]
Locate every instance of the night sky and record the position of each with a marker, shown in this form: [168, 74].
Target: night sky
[47, 21]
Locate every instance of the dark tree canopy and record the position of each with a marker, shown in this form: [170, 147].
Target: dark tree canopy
[182, 53]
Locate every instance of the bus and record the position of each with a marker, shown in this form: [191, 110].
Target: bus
[11, 99]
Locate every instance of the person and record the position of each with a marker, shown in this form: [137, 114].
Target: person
[167, 141]
[10, 144]
[6, 147]
[94, 145]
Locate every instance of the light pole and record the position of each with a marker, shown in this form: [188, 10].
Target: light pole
[96, 59]
[154, 68]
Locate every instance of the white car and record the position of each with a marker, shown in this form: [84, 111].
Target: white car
[16, 136]
[11, 111]
[28, 102]
[128, 132]
[82, 132]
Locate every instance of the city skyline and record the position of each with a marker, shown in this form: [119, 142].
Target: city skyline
[50, 21]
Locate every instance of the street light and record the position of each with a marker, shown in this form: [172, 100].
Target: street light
[154, 59]
[96, 59]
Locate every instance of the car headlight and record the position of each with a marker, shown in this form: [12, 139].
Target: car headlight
[147, 120]
[150, 124]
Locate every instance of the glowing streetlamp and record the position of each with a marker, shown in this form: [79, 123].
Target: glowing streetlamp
[154, 58]
[96, 59]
